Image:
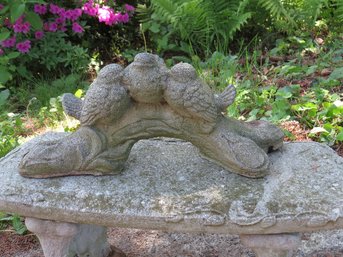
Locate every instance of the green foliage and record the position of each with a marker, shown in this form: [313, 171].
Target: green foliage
[204, 25]
[4, 96]
[318, 107]
[6, 67]
[11, 126]
[15, 221]
[218, 71]
[276, 9]
[53, 53]
[42, 108]
[13, 10]
[201, 27]
[338, 5]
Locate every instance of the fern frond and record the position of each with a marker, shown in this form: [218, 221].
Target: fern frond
[236, 22]
[277, 9]
[311, 10]
[165, 8]
[143, 13]
[339, 10]
[207, 25]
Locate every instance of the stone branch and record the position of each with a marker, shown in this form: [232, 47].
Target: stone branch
[103, 149]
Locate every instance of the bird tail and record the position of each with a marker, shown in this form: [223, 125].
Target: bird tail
[72, 105]
[226, 98]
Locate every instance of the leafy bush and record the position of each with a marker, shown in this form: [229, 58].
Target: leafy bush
[54, 53]
[38, 34]
[10, 126]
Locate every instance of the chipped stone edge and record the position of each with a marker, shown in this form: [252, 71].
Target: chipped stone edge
[190, 223]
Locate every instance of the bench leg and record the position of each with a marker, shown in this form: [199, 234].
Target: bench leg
[62, 239]
[278, 245]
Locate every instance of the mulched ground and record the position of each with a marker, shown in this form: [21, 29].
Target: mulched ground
[148, 243]
[14, 245]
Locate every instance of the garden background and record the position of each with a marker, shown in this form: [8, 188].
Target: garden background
[285, 58]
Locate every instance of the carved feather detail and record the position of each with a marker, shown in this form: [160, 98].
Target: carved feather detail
[226, 98]
[72, 105]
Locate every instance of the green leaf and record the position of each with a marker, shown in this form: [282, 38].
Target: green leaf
[34, 19]
[16, 11]
[79, 93]
[339, 136]
[4, 75]
[18, 225]
[337, 73]
[4, 35]
[311, 69]
[316, 130]
[155, 28]
[4, 96]
[4, 217]
[5, 9]
[13, 55]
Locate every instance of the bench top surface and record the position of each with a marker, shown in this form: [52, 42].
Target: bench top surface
[168, 186]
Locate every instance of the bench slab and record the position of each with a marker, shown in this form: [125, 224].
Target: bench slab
[168, 186]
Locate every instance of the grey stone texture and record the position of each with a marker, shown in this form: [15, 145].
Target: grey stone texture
[167, 185]
[147, 100]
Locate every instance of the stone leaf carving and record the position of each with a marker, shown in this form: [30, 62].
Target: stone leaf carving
[145, 100]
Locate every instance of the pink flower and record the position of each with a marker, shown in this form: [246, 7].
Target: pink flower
[39, 34]
[129, 8]
[62, 12]
[90, 9]
[25, 27]
[10, 42]
[54, 9]
[20, 26]
[107, 15]
[17, 27]
[77, 28]
[60, 20]
[20, 20]
[7, 23]
[24, 47]
[1, 52]
[1, 7]
[76, 14]
[104, 13]
[73, 15]
[69, 14]
[62, 27]
[40, 9]
[124, 18]
[53, 27]
[46, 26]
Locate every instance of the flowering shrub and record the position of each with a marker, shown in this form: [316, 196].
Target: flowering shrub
[24, 23]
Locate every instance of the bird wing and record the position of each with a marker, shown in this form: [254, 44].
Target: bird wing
[199, 102]
[94, 106]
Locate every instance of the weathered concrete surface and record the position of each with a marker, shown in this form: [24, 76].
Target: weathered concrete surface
[168, 186]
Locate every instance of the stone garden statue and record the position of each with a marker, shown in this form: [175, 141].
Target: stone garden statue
[146, 100]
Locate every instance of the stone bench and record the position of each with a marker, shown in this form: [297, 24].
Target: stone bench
[168, 186]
